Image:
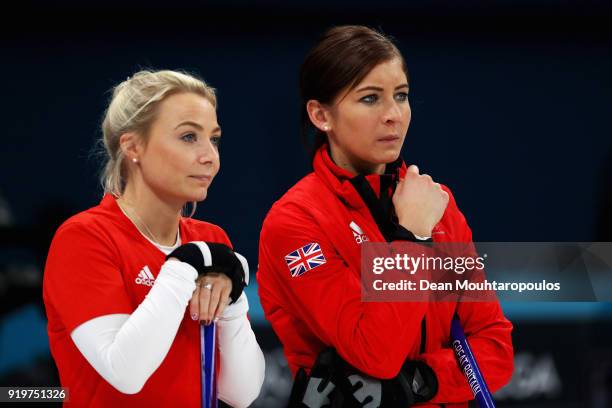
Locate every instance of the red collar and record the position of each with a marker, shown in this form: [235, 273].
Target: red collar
[109, 202]
[338, 179]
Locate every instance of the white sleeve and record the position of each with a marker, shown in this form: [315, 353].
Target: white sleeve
[242, 370]
[114, 344]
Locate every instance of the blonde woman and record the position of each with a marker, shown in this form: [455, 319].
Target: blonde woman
[125, 287]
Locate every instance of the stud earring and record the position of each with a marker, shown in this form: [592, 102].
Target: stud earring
[326, 128]
[135, 160]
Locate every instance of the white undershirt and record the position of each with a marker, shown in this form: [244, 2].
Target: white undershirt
[165, 249]
[115, 344]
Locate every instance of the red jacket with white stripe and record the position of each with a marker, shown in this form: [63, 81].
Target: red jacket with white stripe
[322, 306]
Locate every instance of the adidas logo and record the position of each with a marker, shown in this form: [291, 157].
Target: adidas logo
[145, 277]
[358, 234]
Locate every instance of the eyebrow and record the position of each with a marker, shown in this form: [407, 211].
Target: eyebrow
[379, 89]
[190, 123]
[196, 125]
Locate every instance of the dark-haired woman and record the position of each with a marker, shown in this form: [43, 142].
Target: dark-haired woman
[354, 87]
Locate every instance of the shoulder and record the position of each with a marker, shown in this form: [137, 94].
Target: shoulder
[297, 203]
[198, 230]
[86, 241]
[300, 215]
[94, 224]
[91, 236]
[303, 192]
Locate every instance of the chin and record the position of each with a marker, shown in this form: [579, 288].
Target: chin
[198, 196]
[388, 156]
[202, 196]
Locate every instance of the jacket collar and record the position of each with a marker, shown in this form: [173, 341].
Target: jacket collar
[338, 179]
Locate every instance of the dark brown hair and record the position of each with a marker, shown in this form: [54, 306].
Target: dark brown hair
[342, 58]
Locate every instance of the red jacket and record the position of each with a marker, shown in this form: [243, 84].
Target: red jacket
[92, 270]
[322, 306]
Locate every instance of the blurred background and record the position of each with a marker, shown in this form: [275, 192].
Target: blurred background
[511, 105]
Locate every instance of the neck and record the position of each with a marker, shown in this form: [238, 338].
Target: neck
[160, 217]
[354, 165]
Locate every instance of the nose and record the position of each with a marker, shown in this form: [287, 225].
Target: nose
[392, 112]
[207, 153]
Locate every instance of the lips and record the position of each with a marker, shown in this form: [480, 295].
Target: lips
[389, 138]
[202, 178]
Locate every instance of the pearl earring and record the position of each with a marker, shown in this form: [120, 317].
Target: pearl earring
[135, 160]
[326, 128]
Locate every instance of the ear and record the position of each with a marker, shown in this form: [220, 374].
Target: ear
[319, 115]
[131, 146]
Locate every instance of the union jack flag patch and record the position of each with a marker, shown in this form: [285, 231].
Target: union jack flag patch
[304, 259]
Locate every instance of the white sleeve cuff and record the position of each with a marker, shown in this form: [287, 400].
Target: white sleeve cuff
[243, 367]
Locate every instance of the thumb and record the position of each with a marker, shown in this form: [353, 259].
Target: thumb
[413, 169]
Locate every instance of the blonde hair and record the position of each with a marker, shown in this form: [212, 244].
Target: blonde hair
[133, 108]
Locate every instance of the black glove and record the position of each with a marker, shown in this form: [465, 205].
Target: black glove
[326, 387]
[416, 382]
[334, 383]
[207, 257]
